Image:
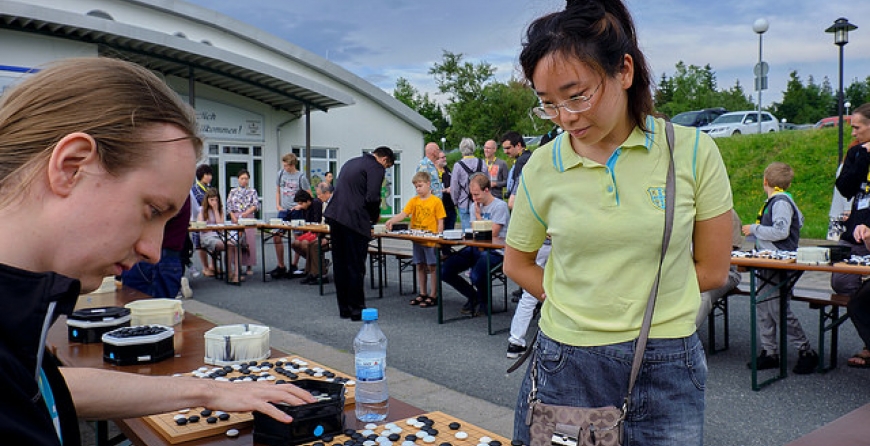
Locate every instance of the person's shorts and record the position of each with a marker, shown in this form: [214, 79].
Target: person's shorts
[424, 254]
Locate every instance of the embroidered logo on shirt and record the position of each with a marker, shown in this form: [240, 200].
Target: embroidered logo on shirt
[657, 197]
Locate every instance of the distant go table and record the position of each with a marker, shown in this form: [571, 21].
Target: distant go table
[229, 234]
[788, 272]
[495, 243]
[268, 231]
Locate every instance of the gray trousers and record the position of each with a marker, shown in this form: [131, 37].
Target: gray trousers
[849, 283]
[767, 315]
[708, 298]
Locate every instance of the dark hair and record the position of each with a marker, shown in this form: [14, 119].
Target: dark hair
[203, 170]
[549, 136]
[514, 138]
[599, 33]
[302, 196]
[385, 152]
[243, 172]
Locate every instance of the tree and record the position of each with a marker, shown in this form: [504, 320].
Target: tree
[422, 104]
[693, 88]
[857, 92]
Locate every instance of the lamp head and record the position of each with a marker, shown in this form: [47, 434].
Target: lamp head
[760, 26]
[840, 29]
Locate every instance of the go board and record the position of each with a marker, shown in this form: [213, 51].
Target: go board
[284, 369]
[450, 431]
[166, 424]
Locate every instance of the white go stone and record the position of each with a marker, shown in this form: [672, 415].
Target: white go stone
[233, 433]
[410, 421]
[390, 425]
[462, 435]
[367, 432]
[429, 439]
[178, 417]
[369, 443]
[408, 443]
[485, 439]
[421, 434]
[184, 411]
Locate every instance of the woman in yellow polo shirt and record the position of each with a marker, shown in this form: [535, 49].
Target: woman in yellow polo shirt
[598, 191]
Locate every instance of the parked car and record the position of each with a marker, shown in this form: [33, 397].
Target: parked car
[698, 118]
[744, 122]
[833, 121]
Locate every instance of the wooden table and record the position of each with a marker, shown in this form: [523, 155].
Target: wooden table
[495, 243]
[788, 273]
[850, 429]
[225, 232]
[189, 352]
[320, 230]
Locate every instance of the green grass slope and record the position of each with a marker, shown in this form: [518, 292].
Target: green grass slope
[811, 153]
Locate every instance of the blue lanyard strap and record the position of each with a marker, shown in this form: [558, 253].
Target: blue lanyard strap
[48, 397]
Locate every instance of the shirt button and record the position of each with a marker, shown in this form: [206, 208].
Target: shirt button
[609, 188]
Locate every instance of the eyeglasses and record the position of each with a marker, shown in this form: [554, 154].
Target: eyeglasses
[577, 104]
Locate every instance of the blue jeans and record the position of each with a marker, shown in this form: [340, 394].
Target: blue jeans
[474, 259]
[667, 400]
[465, 218]
[162, 279]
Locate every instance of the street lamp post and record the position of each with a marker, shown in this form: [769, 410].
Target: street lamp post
[848, 105]
[444, 144]
[760, 27]
[840, 29]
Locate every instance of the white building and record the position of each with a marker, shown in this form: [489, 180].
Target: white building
[257, 97]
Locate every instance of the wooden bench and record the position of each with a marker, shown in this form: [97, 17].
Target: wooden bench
[829, 320]
[404, 260]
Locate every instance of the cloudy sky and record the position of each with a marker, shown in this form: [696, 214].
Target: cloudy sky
[382, 40]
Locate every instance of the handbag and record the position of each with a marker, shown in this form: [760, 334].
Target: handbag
[550, 424]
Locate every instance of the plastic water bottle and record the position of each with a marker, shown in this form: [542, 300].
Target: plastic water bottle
[370, 354]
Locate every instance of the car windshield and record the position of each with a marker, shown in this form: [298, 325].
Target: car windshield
[728, 119]
[685, 118]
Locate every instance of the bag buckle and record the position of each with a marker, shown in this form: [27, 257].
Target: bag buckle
[563, 436]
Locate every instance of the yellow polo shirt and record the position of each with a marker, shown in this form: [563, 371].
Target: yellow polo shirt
[606, 224]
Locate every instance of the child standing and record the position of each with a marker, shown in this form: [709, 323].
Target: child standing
[778, 228]
[427, 214]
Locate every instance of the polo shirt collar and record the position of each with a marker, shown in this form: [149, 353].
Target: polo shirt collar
[564, 156]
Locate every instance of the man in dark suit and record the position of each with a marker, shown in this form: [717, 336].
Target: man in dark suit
[354, 208]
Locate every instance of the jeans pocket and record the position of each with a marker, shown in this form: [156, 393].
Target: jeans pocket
[696, 361]
[551, 355]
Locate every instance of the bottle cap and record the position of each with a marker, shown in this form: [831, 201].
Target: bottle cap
[370, 314]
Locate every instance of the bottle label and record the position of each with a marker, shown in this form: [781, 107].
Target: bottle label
[370, 368]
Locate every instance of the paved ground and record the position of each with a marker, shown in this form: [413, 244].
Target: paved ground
[457, 368]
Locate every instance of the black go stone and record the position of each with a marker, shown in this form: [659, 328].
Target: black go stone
[494, 443]
[422, 418]
[356, 436]
[319, 443]
[205, 412]
[372, 437]
[211, 420]
[327, 438]
[394, 437]
[224, 416]
[516, 443]
[349, 432]
[445, 444]
[411, 437]
[433, 432]
[252, 363]
[455, 426]
[181, 421]
[193, 418]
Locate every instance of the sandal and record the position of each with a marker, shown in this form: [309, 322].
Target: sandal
[859, 361]
[419, 299]
[208, 272]
[428, 302]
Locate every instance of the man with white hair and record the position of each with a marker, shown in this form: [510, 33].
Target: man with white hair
[427, 164]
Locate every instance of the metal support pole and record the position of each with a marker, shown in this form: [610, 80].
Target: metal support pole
[759, 78]
[840, 112]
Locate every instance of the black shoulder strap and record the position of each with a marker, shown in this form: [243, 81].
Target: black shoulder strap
[467, 169]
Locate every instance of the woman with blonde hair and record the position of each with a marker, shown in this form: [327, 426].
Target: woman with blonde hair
[81, 141]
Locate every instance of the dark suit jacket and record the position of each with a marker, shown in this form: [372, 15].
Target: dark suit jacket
[356, 202]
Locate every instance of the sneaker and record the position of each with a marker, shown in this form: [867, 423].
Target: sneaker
[514, 350]
[315, 281]
[194, 272]
[765, 361]
[186, 292]
[807, 362]
[468, 308]
[308, 279]
[278, 272]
